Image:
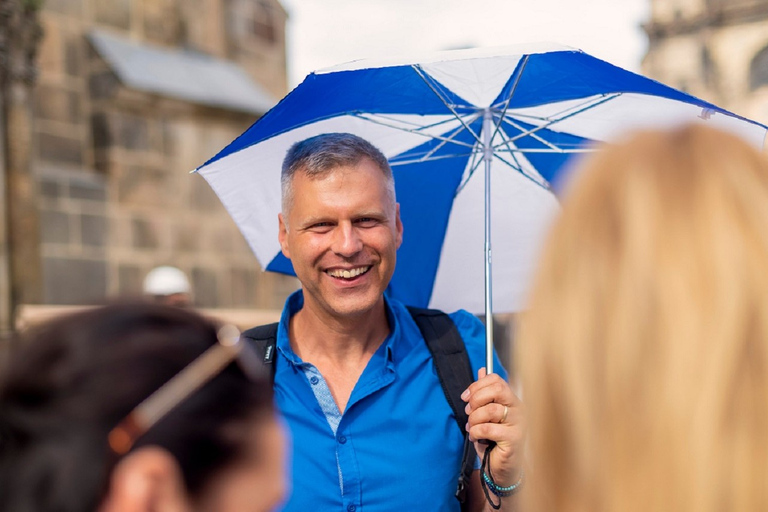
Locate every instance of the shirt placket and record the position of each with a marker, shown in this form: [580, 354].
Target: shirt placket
[350, 479]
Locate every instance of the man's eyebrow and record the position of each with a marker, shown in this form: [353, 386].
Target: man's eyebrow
[309, 221]
[372, 213]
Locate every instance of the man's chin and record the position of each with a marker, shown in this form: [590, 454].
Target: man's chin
[350, 307]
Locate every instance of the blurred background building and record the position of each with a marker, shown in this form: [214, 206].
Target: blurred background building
[714, 49]
[108, 104]
[127, 98]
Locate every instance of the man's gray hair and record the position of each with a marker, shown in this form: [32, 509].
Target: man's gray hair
[318, 156]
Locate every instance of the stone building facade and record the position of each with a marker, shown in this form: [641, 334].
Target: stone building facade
[714, 49]
[131, 96]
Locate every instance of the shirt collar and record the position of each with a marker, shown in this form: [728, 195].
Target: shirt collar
[295, 302]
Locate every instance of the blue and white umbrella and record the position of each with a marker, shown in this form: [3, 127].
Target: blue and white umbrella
[477, 140]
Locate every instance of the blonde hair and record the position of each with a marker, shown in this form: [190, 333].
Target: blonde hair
[644, 352]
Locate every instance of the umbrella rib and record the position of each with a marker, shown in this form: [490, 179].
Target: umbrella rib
[518, 77]
[587, 102]
[534, 135]
[475, 164]
[517, 166]
[415, 132]
[550, 122]
[441, 144]
[423, 76]
[542, 182]
[512, 150]
[542, 150]
[395, 121]
[395, 163]
[428, 155]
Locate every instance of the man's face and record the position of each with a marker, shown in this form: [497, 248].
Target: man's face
[342, 233]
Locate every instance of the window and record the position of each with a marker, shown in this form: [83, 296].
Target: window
[249, 19]
[758, 70]
[264, 21]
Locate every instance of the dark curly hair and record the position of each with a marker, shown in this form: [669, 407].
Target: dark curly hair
[74, 378]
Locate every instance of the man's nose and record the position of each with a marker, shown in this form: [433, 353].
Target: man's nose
[346, 241]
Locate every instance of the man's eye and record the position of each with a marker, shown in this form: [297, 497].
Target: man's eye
[320, 226]
[366, 222]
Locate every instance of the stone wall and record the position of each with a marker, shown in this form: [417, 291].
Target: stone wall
[117, 196]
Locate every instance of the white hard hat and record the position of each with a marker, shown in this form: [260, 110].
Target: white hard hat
[166, 280]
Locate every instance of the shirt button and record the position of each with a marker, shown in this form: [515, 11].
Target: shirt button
[351, 508]
[314, 380]
[343, 440]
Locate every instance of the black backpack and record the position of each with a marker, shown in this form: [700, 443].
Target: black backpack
[451, 363]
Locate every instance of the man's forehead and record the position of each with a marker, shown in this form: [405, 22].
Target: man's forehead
[361, 164]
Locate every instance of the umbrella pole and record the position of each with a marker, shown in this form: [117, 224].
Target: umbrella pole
[487, 156]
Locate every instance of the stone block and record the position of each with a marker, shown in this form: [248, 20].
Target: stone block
[203, 197]
[220, 238]
[56, 104]
[91, 190]
[143, 186]
[73, 8]
[74, 281]
[186, 237]
[204, 288]
[121, 232]
[73, 60]
[54, 227]
[59, 149]
[94, 230]
[103, 85]
[49, 50]
[116, 13]
[134, 133]
[146, 234]
[242, 287]
[101, 131]
[51, 189]
[162, 24]
[130, 278]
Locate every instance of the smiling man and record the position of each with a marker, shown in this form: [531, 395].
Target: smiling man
[371, 426]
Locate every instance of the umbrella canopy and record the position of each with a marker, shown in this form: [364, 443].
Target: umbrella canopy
[464, 131]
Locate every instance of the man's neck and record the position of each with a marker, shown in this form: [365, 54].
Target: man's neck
[315, 333]
[339, 347]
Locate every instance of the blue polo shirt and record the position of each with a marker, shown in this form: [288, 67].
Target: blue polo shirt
[396, 446]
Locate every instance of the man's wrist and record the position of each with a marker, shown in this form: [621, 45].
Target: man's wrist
[503, 491]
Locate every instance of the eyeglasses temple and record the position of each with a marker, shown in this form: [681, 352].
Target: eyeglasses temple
[209, 364]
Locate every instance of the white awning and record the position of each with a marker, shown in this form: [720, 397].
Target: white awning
[182, 74]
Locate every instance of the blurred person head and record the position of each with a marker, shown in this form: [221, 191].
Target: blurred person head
[168, 285]
[643, 355]
[218, 447]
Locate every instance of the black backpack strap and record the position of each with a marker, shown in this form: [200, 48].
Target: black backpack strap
[454, 370]
[264, 339]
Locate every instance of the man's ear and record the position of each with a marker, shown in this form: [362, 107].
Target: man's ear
[147, 480]
[398, 225]
[282, 235]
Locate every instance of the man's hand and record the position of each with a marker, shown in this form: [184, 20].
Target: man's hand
[496, 414]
